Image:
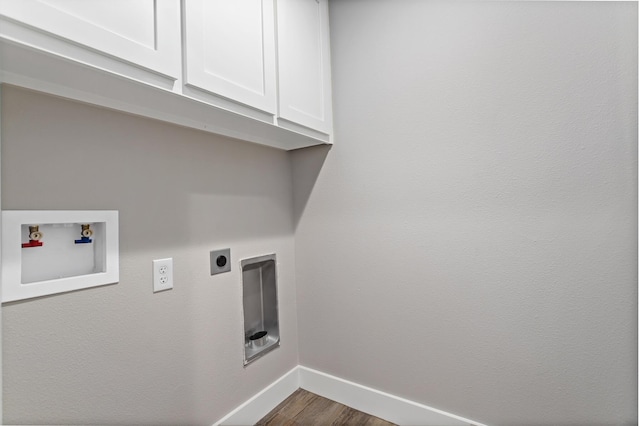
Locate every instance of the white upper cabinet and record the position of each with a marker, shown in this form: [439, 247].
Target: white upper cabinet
[256, 70]
[304, 67]
[145, 33]
[230, 50]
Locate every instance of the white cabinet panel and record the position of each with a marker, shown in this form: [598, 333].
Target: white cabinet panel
[304, 69]
[145, 33]
[230, 50]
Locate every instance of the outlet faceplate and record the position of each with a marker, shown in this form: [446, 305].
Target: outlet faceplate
[162, 274]
[220, 261]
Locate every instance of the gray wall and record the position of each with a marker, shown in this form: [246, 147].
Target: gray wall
[470, 242]
[119, 353]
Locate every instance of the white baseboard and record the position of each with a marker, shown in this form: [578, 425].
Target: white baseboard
[264, 401]
[380, 404]
[371, 401]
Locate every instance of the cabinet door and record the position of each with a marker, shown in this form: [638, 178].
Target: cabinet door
[230, 50]
[304, 67]
[145, 33]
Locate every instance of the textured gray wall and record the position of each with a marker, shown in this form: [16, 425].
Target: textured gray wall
[470, 242]
[120, 354]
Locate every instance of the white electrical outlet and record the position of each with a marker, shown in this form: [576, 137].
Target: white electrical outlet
[162, 274]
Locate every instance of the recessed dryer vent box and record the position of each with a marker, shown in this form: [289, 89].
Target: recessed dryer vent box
[260, 306]
[48, 252]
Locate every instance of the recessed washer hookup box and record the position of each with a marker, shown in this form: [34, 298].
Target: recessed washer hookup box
[53, 251]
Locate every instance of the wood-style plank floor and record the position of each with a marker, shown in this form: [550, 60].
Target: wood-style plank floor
[304, 408]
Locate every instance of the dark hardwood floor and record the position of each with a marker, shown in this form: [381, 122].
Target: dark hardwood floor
[304, 408]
